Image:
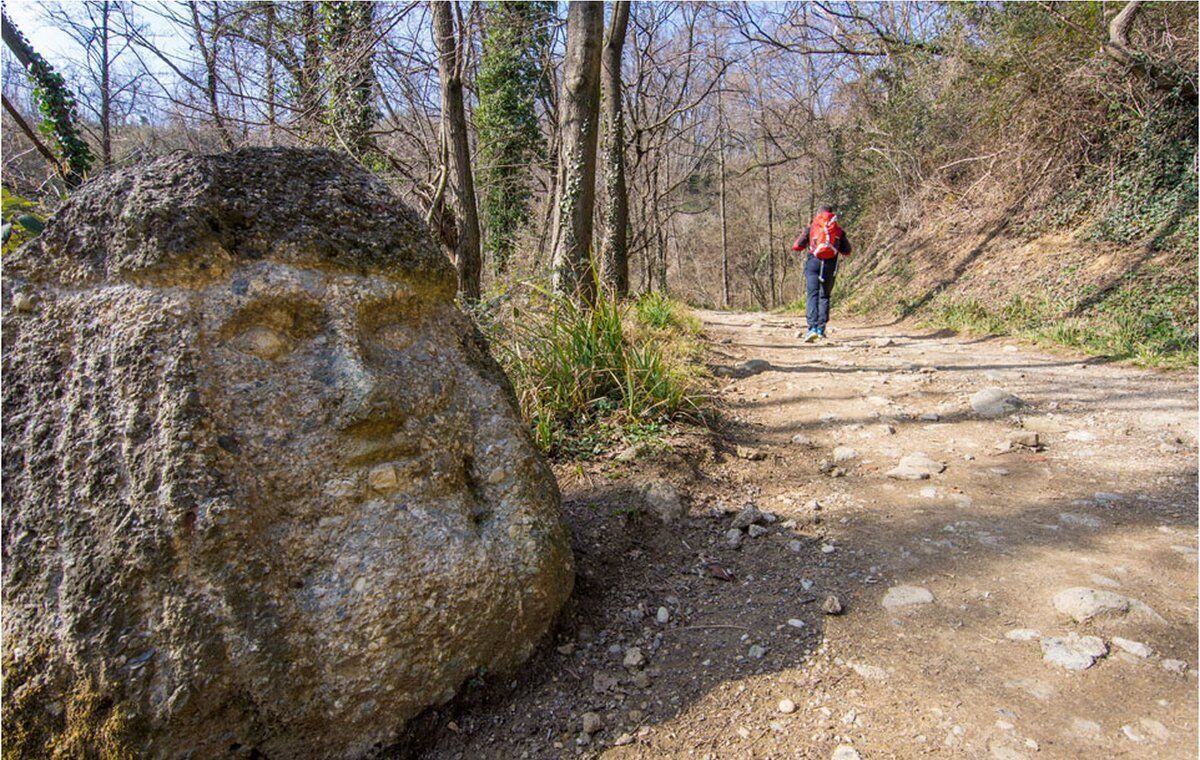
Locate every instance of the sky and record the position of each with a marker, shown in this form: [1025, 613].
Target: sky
[55, 46]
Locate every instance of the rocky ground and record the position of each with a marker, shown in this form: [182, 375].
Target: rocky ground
[900, 543]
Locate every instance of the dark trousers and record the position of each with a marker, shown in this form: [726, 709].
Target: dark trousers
[818, 291]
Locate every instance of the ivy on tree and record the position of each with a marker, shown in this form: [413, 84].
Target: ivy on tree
[347, 35]
[510, 80]
[56, 104]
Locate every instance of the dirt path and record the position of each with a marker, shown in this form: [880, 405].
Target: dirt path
[968, 562]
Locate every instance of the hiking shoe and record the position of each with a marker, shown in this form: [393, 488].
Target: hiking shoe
[811, 336]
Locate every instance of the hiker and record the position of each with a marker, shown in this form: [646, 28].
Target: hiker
[824, 240]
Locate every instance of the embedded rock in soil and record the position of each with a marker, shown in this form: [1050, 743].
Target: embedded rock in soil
[1135, 648]
[921, 462]
[749, 515]
[906, 596]
[844, 454]
[661, 498]
[1074, 652]
[266, 485]
[991, 403]
[1083, 604]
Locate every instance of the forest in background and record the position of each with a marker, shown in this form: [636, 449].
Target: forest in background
[1026, 167]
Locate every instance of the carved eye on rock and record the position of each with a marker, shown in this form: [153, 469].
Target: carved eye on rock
[263, 342]
[272, 329]
[394, 335]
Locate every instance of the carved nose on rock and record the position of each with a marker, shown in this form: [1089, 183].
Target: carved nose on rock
[365, 400]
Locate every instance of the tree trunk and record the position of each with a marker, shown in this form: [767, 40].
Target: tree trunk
[615, 246]
[105, 89]
[269, 36]
[578, 117]
[309, 80]
[209, 54]
[454, 126]
[770, 230]
[724, 221]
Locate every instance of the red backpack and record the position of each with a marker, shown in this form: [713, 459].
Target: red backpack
[824, 235]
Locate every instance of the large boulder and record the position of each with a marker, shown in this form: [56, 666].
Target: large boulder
[265, 489]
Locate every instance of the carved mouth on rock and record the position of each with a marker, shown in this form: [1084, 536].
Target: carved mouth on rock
[369, 453]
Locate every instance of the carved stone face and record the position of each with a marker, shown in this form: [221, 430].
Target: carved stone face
[378, 471]
[279, 498]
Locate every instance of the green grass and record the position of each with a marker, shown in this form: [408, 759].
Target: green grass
[587, 378]
[661, 312]
[1150, 322]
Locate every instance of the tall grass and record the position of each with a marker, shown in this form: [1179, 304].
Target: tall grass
[583, 374]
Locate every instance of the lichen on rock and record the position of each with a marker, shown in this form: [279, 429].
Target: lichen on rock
[264, 485]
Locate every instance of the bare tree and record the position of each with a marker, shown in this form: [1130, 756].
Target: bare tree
[578, 129]
[614, 267]
[456, 150]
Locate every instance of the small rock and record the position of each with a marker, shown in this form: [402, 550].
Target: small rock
[828, 548]
[383, 478]
[921, 462]
[802, 440]
[1156, 730]
[845, 752]
[603, 682]
[795, 546]
[591, 722]
[907, 473]
[661, 499]
[883, 342]
[1135, 648]
[869, 672]
[930, 417]
[747, 517]
[795, 622]
[991, 403]
[787, 706]
[663, 616]
[634, 658]
[844, 454]
[757, 531]
[832, 605]
[622, 740]
[1082, 520]
[757, 652]
[1178, 667]
[1023, 634]
[1083, 604]
[753, 367]
[1026, 439]
[752, 454]
[904, 596]
[1074, 652]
